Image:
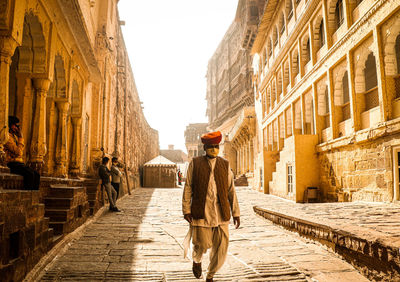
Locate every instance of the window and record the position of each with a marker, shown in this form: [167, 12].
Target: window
[270, 48]
[266, 57]
[254, 11]
[397, 79]
[346, 98]
[289, 9]
[296, 66]
[289, 178]
[397, 51]
[339, 16]
[371, 79]
[321, 34]
[371, 83]
[276, 36]
[308, 51]
[327, 111]
[282, 24]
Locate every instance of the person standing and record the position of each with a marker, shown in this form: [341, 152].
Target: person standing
[208, 200]
[116, 175]
[179, 177]
[14, 149]
[105, 175]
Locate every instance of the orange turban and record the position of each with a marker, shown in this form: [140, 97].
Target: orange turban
[211, 138]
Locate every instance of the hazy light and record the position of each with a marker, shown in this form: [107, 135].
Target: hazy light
[169, 45]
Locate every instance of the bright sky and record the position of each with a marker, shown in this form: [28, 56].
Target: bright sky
[169, 45]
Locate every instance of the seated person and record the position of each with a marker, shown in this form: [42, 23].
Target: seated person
[14, 149]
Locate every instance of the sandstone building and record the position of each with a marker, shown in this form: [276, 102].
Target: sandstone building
[230, 95]
[327, 79]
[65, 73]
[193, 143]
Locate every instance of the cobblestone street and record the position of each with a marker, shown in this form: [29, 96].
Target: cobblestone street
[144, 243]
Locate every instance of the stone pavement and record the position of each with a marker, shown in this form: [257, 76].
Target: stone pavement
[369, 220]
[144, 243]
[366, 234]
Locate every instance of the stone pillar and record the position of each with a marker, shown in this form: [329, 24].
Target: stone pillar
[7, 47]
[24, 109]
[246, 156]
[49, 166]
[241, 158]
[252, 156]
[75, 166]
[61, 142]
[38, 143]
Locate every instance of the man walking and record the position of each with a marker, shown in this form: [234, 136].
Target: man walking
[208, 199]
[105, 174]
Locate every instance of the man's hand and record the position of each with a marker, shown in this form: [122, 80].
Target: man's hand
[188, 217]
[236, 221]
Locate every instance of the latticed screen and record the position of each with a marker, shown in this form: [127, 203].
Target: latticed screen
[371, 99]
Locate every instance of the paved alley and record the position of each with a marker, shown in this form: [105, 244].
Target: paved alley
[144, 243]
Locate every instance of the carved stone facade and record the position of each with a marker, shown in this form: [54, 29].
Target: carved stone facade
[229, 80]
[65, 74]
[327, 75]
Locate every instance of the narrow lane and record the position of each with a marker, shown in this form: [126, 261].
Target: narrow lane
[144, 243]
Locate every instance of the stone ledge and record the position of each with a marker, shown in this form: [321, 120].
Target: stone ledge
[375, 260]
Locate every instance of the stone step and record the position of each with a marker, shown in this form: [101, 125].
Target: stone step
[57, 191]
[92, 196]
[58, 203]
[92, 189]
[60, 214]
[58, 227]
[56, 239]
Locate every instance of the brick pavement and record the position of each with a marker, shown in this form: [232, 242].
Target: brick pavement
[143, 243]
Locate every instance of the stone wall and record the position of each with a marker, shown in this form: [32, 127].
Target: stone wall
[359, 172]
[24, 233]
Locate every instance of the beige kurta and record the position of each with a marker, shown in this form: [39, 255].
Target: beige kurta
[212, 212]
[212, 231]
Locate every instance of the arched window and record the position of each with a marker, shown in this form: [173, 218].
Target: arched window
[286, 80]
[308, 51]
[345, 83]
[275, 36]
[269, 47]
[346, 97]
[282, 24]
[371, 79]
[321, 34]
[279, 84]
[266, 57]
[371, 83]
[339, 13]
[296, 65]
[397, 50]
[327, 111]
[289, 9]
[397, 79]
